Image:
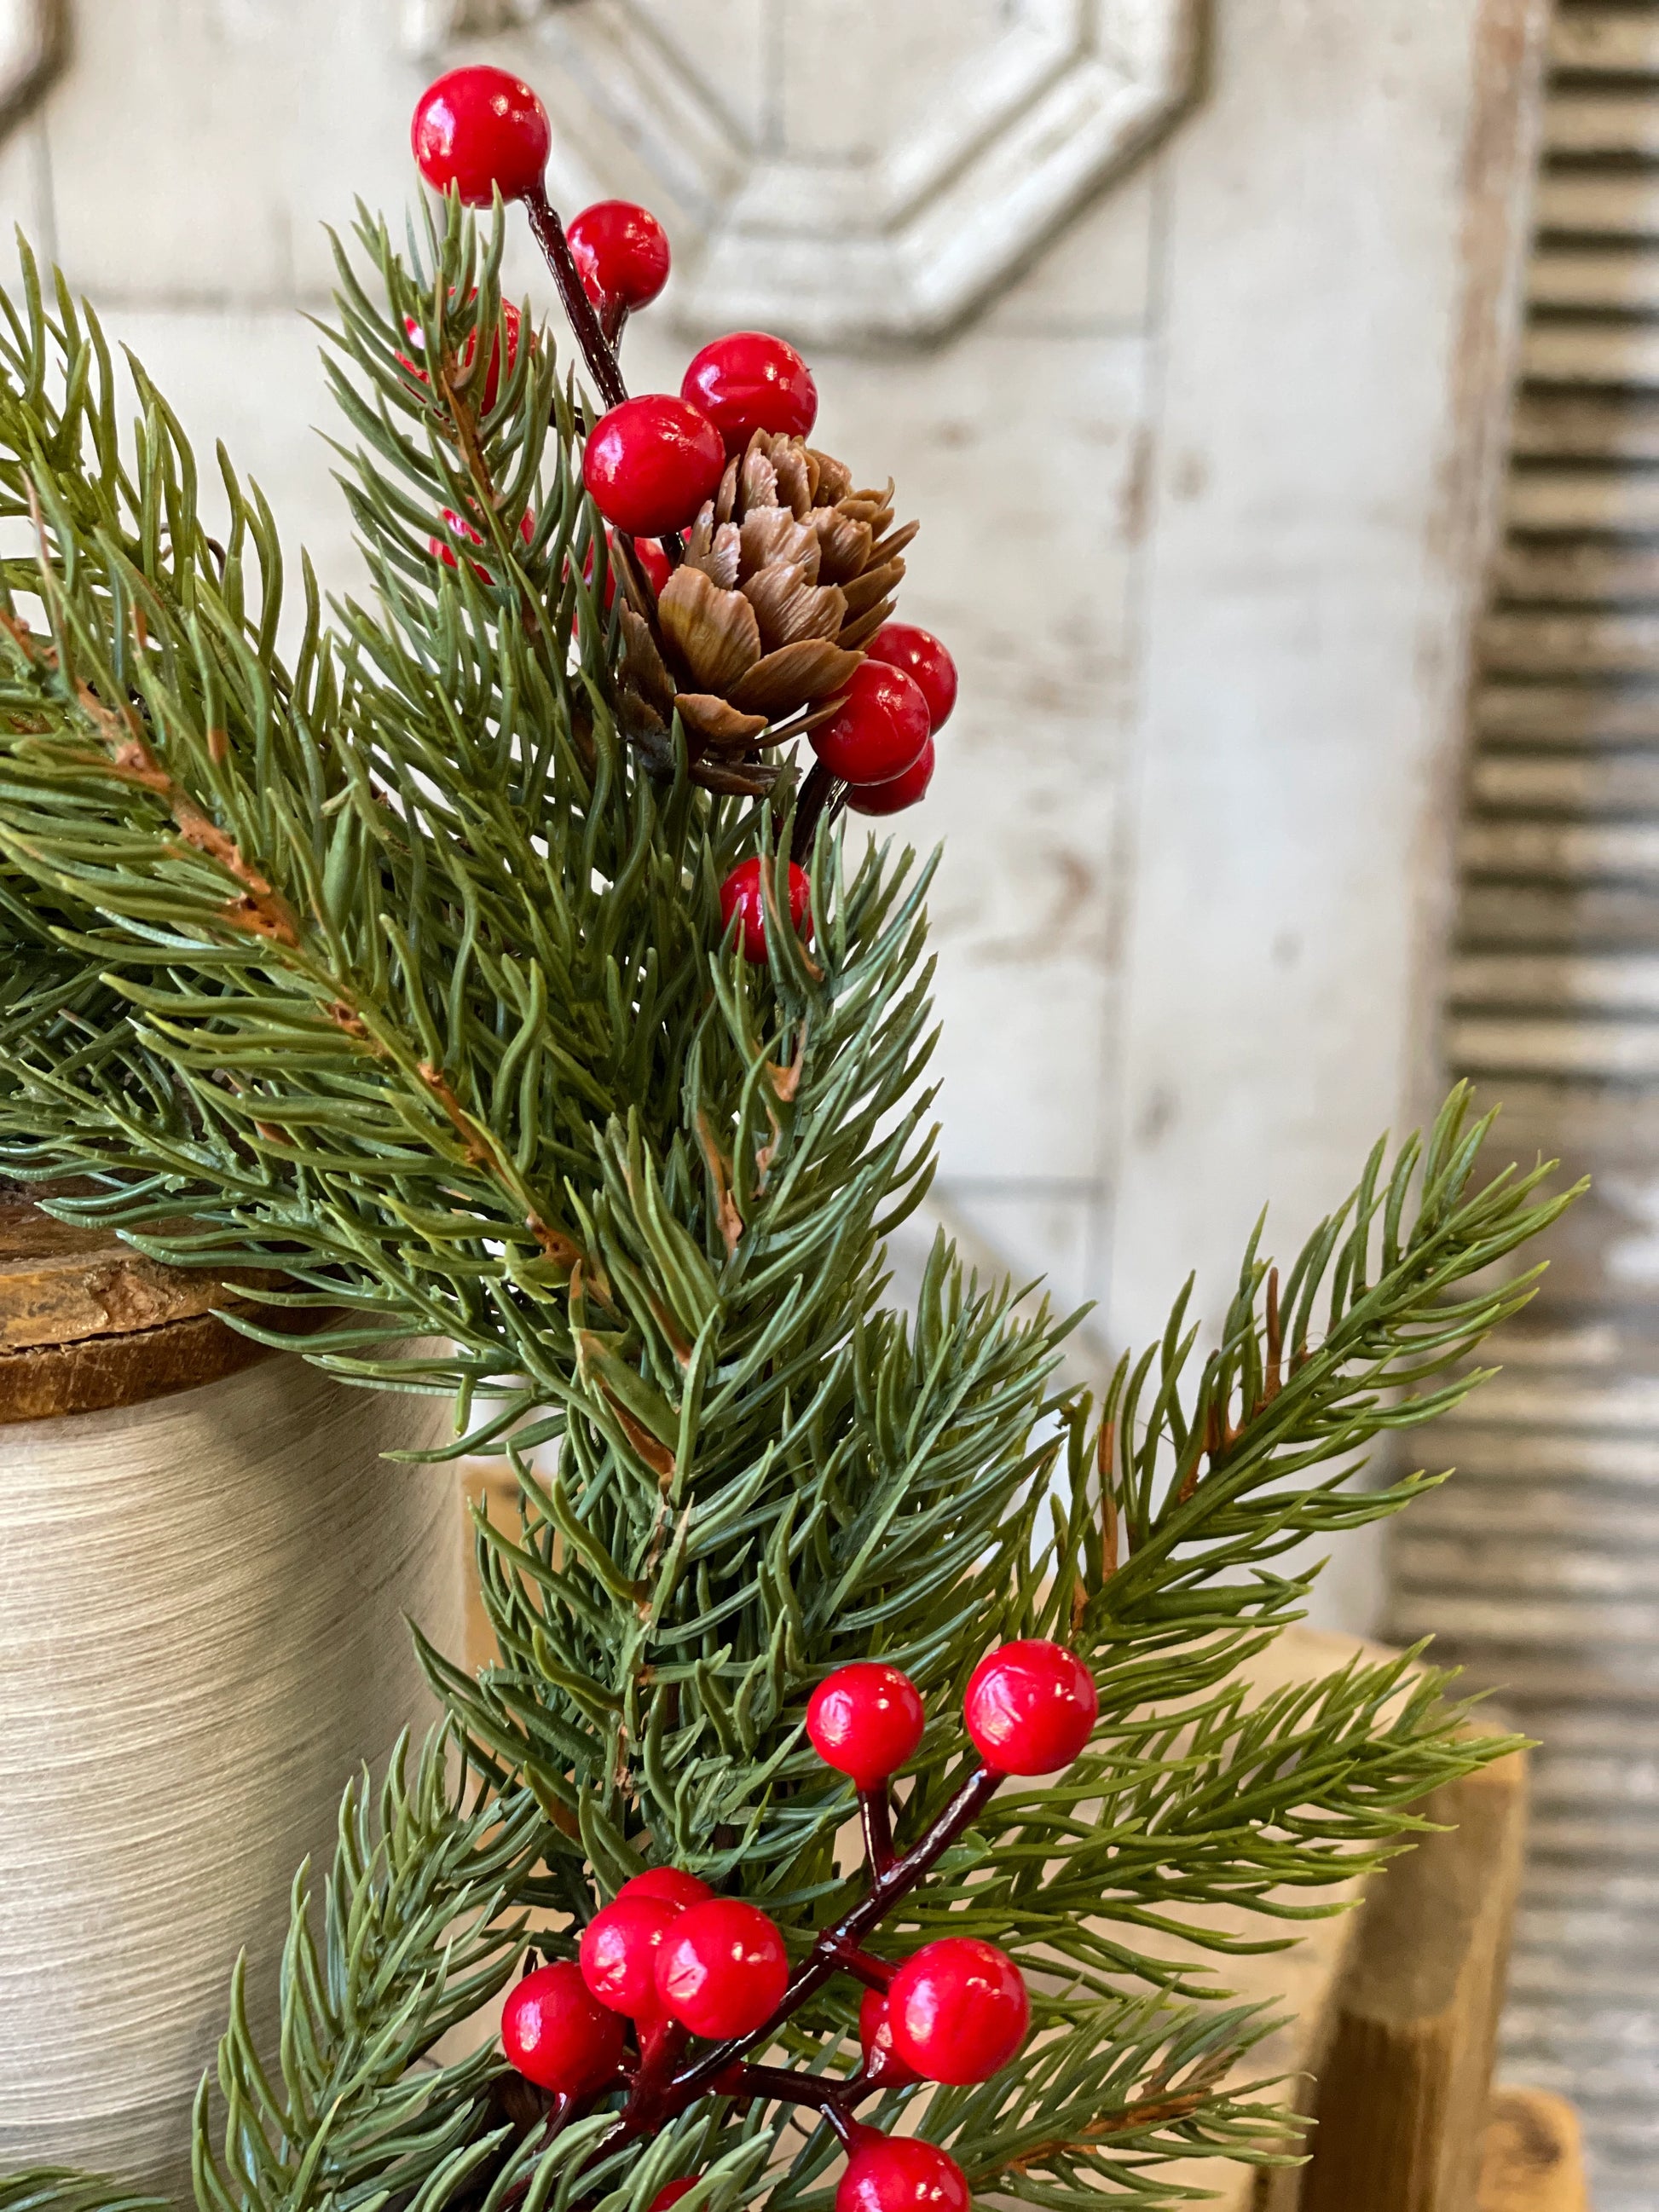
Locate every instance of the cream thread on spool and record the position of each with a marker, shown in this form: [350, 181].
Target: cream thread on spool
[202, 1634]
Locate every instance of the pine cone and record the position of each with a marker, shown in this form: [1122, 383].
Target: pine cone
[788, 573]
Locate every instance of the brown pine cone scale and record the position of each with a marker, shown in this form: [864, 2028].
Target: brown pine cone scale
[788, 573]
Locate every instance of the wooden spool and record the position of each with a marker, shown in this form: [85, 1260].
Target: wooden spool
[206, 1566]
[87, 1323]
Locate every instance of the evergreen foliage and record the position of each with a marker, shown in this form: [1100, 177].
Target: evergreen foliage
[391, 963]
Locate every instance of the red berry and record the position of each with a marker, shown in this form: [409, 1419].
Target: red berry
[898, 792]
[622, 251]
[669, 1883]
[1031, 1707]
[648, 555]
[670, 2193]
[921, 655]
[619, 1952]
[554, 2033]
[750, 382]
[506, 328]
[740, 894]
[866, 1720]
[879, 729]
[958, 2010]
[901, 2174]
[441, 550]
[722, 1968]
[651, 463]
[476, 128]
[881, 2062]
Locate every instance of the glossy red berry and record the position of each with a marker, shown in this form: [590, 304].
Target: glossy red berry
[670, 2193]
[901, 2174]
[882, 2064]
[556, 2035]
[671, 1884]
[740, 895]
[866, 1720]
[749, 382]
[722, 1968]
[441, 550]
[921, 655]
[651, 463]
[899, 791]
[1031, 1707]
[622, 251]
[507, 329]
[479, 129]
[619, 1954]
[879, 729]
[958, 2010]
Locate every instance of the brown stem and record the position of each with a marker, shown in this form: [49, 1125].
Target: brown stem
[578, 307]
[876, 1815]
[864, 1966]
[826, 1955]
[820, 790]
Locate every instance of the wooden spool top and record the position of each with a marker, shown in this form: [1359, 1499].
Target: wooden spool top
[86, 1322]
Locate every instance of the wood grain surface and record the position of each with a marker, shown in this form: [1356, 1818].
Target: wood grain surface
[1532, 2157]
[88, 1323]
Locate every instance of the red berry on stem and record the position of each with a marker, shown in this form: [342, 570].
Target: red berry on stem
[622, 251]
[554, 2033]
[671, 1884]
[722, 1968]
[740, 895]
[649, 556]
[898, 792]
[880, 728]
[749, 382]
[507, 329]
[619, 1954]
[881, 2062]
[901, 2174]
[650, 463]
[958, 2010]
[441, 550]
[866, 1720]
[477, 128]
[1031, 1707]
[921, 655]
[670, 2193]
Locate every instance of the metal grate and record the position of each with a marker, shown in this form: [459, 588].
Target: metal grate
[1539, 1566]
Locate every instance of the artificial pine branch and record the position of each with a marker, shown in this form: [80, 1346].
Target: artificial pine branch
[400, 965]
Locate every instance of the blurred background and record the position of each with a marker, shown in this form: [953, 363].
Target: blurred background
[1277, 383]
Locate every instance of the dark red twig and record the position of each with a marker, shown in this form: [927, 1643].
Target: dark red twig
[875, 1815]
[597, 351]
[821, 791]
[847, 1934]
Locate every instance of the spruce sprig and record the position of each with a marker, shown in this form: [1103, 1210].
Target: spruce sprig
[396, 964]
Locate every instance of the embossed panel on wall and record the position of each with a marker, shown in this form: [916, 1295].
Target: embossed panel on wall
[860, 169]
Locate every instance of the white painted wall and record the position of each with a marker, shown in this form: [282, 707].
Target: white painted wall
[1196, 525]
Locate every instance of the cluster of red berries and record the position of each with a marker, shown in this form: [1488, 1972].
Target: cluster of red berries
[670, 1955]
[652, 461]
[880, 742]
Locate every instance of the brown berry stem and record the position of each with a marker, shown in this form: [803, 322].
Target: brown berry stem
[597, 340]
[597, 352]
[876, 1815]
[828, 1954]
[818, 792]
[875, 1974]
